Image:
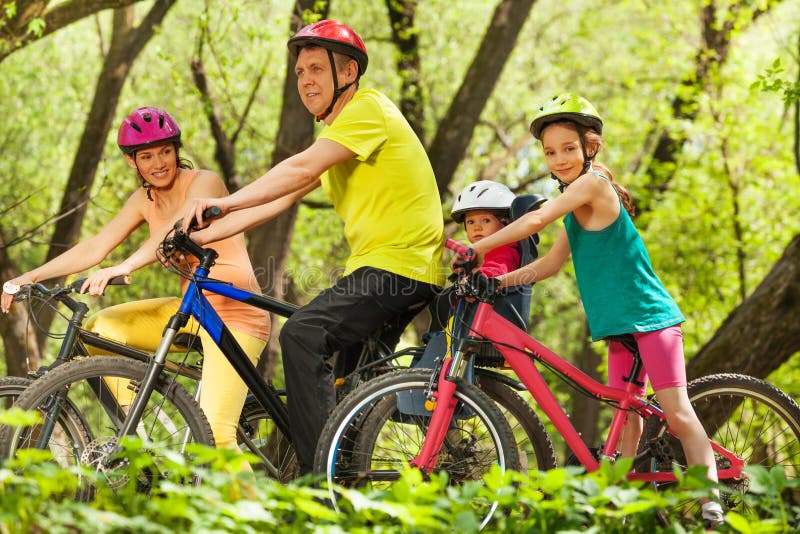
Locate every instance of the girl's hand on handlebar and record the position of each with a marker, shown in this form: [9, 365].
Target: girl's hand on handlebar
[96, 283]
[10, 289]
[466, 263]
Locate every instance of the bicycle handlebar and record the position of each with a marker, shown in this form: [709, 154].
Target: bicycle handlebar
[61, 294]
[455, 246]
[209, 213]
[56, 291]
[181, 242]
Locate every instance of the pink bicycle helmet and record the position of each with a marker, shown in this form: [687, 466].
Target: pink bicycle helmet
[145, 127]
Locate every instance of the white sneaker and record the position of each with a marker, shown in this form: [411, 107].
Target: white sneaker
[712, 514]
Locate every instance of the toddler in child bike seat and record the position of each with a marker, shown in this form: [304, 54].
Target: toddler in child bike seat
[484, 207]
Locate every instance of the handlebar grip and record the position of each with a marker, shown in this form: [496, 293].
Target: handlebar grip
[208, 214]
[121, 280]
[455, 246]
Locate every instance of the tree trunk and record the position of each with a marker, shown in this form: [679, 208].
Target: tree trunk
[18, 337]
[270, 243]
[126, 43]
[406, 38]
[761, 333]
[456, 128]
[718, 28]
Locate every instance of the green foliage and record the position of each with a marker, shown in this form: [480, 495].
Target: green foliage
[36, 497]
[772, 81]
[10, 9]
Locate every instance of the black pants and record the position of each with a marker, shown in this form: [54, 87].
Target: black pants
[336, 320]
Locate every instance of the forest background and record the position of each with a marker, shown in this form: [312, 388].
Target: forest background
[699, 100]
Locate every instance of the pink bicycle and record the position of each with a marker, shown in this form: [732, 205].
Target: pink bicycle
[441, 421]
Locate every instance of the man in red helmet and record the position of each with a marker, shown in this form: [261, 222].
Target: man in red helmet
[378, 176]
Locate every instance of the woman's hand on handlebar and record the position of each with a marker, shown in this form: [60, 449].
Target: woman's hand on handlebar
[96, 282]
[10, 289]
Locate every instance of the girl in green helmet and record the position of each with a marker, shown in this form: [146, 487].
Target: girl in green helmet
[621, 293]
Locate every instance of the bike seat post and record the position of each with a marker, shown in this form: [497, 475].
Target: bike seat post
[632, 384]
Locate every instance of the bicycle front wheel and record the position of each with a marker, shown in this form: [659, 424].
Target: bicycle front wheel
[534, 446]
[170, 420]
[379, 428]
[258, 434]
[748, 416]
[70, 434]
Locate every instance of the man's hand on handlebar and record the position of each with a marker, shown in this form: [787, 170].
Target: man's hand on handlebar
[198, 216]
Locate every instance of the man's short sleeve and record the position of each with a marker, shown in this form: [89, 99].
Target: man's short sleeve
[361, 127]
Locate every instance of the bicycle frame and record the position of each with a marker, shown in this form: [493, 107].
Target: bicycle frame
[521, 351]
[76, 340]
[195, 304]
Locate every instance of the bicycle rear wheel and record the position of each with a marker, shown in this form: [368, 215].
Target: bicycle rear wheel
[375, 432]
[10, 388]
[171, 418]
[748, 416]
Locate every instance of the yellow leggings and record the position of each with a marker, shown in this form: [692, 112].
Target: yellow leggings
[141, 324]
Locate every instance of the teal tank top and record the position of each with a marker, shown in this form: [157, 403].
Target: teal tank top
[620, 292]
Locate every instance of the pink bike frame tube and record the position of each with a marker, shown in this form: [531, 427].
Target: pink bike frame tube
[440, 422]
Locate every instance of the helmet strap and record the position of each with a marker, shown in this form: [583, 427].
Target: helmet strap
[337, 91]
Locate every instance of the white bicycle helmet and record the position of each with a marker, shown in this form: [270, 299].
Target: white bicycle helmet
[481, 195]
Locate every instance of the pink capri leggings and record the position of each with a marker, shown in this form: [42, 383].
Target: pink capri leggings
[662, 359]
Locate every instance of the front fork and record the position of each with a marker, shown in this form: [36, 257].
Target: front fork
[446, 376]
[154, 369]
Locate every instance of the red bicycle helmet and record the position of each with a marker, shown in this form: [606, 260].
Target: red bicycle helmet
[145, 127]
[332, 35]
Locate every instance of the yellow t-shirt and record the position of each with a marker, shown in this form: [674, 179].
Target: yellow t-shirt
[386, 195]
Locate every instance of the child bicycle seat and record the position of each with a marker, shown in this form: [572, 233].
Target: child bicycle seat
[515, 304]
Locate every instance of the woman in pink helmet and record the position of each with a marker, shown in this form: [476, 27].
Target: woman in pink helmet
[150, 140]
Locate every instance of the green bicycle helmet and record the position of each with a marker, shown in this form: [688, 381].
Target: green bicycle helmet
[566, 106]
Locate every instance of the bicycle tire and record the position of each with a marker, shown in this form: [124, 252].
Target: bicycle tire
[353, 449]
[534, 445]
[258, 434]
[171, 419]
[10, 388]
[746, 415]
[72, 433]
